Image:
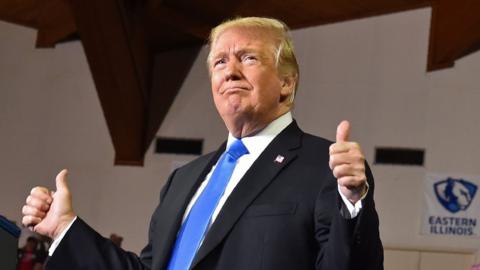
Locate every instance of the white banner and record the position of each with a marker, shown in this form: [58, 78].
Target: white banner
[452, 206]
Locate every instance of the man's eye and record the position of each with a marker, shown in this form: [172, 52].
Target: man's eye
[249, 58]
[219, 62]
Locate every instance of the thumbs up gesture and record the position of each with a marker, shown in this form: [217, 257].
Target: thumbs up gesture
[348, 164]
[49, 212]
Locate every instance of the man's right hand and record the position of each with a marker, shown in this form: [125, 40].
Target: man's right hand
[49, 212]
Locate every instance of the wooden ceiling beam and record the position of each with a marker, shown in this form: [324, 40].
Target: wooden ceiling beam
[116, 65]
[359, 12]
[22, 12]
[169, 72]
[162, 13]
[52, 18]
[55, 23]
[454, 32]
[136, 87]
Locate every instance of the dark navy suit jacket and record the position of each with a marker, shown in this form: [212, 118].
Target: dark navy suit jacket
[281, 215]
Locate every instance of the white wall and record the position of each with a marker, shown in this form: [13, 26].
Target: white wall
[370, 71]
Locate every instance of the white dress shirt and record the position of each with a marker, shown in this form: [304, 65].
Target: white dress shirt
[255, 145]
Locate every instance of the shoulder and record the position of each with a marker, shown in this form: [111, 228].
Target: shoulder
[198, 163]
[307, 139]
[313, 140]
[315, 145]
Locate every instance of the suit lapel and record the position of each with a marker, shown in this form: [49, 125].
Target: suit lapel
[173, 207]
[280, 152]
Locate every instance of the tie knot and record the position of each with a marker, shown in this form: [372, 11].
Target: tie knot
[237, 149]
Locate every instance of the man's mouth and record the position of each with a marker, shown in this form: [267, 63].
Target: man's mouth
[234, 89]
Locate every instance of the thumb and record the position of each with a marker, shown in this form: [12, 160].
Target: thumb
[61, 180]
[343, 131]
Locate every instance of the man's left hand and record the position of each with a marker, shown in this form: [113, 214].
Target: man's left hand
[348, 164]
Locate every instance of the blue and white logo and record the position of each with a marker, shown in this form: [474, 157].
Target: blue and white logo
[455, 194]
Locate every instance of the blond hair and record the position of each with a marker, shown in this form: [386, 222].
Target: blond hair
[284, 54]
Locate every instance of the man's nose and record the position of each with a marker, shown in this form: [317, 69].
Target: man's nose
[233, 71]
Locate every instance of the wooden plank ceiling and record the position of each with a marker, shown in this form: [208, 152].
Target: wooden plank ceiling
[140, 51]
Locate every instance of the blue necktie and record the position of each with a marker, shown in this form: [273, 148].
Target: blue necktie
[196, 224]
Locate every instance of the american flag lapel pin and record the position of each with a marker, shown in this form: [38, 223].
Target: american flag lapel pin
[279, 159]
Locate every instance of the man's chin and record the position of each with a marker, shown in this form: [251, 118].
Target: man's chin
[234, 103]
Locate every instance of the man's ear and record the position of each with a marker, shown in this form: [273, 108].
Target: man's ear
[288, 88]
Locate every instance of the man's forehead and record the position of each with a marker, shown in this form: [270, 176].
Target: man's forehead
[242, 39]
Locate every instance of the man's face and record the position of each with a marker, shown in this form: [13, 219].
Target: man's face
[245, 84]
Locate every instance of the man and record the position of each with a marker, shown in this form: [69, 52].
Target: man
[271, 197]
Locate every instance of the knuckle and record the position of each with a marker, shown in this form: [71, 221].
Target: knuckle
[356, 146]
[357, 167]
[34, 212]
[28, 199]
[39, 191]
[339, 170]
[37, 204]
[32, 202]
[35, 190]
[36, 220]
[331, 149]
[25, 221]
[335, 172]
[359, 157]
[32, 220]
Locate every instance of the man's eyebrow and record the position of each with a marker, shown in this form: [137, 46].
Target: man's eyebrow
[246, 50]
[218, 55]
[237, 52]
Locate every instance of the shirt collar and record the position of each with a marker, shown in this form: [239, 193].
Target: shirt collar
[258, 142]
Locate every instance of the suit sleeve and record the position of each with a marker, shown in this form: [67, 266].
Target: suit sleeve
[347, 244]
[83, 248]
